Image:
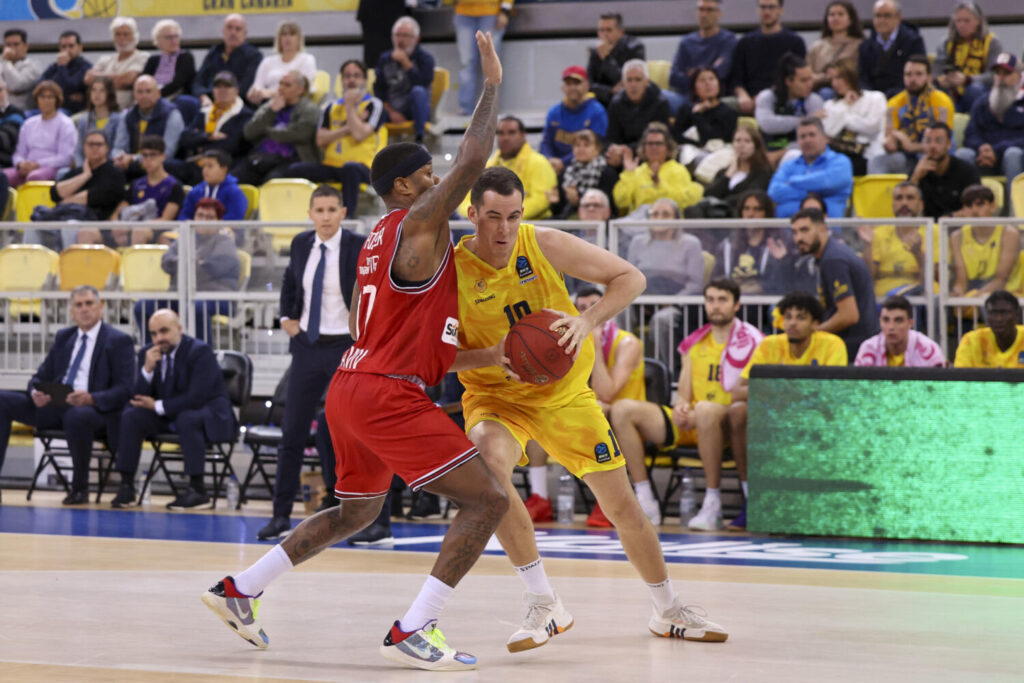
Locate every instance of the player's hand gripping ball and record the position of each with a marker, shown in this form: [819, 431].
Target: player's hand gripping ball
[533, 350]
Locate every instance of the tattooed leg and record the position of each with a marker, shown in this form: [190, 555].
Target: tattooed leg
[330, 526]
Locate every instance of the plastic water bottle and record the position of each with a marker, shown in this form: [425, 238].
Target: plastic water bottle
[232, 493]
[148, 490]
[566, 499]
[687, 498]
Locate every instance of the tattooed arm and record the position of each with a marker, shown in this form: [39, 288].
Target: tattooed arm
[425, 233]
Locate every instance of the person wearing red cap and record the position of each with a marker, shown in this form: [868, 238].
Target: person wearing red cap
[994, 137]
[579, 110]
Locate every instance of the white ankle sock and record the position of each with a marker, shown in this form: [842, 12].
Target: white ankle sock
[539, 480]
[535, 578]
[663, 594]
[256, 578]
[643, 490]
[713, 497]
[746, 494]
[427, 606]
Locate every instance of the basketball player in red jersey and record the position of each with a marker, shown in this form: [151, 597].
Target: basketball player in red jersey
[404, 317]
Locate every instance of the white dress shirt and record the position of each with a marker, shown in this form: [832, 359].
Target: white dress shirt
[148, 376]
[80, 382]
[333, 307]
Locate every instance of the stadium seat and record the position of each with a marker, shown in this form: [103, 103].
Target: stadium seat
[960, 122]
[709, 266]
[30, 195]
[27, 267]
[997, 184]
[1017, 196]
[12, 202]
[88, 264]
[659, 71]
[442, 79]
[284, 199]
[252, 195]
[321, 86]
[141, 271]
[54, 442]
[872, 194]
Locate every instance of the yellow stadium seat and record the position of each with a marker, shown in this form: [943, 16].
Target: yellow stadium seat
[88, 264]
[321, 86]
[659, 71]
[442, 79]
[284, 199]
[872, 194]
[244, 273]
[141, 271]
[252, 195]
[30, 195]
[997, 184]
[12, 202]
[1017, 196]
[959, 126]
[27, 267]
[709, 266]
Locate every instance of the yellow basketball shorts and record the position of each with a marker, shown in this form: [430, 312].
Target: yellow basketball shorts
[674, 437]
[576, 434]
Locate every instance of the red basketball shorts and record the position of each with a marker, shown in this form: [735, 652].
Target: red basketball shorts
[381, 425]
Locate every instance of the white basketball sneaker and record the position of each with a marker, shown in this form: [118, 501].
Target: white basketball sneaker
[544, 619]
[424, 648]
[651, 509]
[680, 621]
[240, 612]
[709, 518]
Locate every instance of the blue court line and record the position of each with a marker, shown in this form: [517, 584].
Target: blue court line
[911, 557]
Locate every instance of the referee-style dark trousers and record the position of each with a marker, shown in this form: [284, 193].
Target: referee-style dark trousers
[313, 365]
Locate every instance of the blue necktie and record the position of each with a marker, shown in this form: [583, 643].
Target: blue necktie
[168, 378]
[316, 297]
[77, 362]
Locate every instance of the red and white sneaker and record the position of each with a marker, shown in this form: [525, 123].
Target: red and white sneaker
[597, 518]
[539, 508]
[239, 612]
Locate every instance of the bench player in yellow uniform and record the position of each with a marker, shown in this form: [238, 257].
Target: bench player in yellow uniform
[506, 271]
[1001, 344]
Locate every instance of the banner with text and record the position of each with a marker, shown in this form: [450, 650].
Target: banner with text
[22, 10]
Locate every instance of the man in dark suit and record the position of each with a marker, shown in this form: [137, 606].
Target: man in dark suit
[179, 388]
[95, 360]
[315, 295]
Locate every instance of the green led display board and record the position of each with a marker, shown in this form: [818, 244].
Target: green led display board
[913, 453]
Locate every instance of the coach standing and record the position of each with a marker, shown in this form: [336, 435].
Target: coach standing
[315, 294]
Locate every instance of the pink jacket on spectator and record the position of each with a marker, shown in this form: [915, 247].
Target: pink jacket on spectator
[51, 144]
[921, 352]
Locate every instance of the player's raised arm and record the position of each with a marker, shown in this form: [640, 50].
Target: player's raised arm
[430, 212]
[622, 280]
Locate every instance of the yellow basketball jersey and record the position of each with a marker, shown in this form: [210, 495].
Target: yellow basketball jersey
[346, 149]
[825, 349]
[491, 300]
[634, 387]
[978, 349]
[981, 258]
[896, 265]
[706, 371]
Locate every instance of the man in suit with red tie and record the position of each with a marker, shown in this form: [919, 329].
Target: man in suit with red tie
[95, 360]
[179, 388]
[315, 294]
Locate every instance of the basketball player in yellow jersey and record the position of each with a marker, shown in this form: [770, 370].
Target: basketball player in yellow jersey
[985, 259]
[1001, 344]
[505, 272]
[703, 413]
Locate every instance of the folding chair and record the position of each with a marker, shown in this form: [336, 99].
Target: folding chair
[237, 369]
[104, 458]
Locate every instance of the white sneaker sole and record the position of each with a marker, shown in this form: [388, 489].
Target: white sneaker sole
[392, 653]
[216, 605]
[529, 643]
[703, 637]
[390, 540]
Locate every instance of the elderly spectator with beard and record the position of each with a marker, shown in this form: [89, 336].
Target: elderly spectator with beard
[994, 139]
[125, 64]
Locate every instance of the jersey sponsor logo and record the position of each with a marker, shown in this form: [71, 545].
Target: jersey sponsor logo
[483, 299]
[601, 452]
[814, 361]
[375, 239]
[481, 286]
[523, 268]
[371, 265]
[451, 332]
[352, 358]
[529, 279]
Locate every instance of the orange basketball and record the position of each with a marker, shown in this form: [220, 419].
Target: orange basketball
[533, 349]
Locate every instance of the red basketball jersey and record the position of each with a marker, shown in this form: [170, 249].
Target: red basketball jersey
[403, 330]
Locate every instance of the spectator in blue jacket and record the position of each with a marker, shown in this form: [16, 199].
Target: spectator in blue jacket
[218, 185]
[68, 71]
[579, 110]
[994, 138]
[817, 169]
[709, 46]
[404, 77]
[884, 54]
